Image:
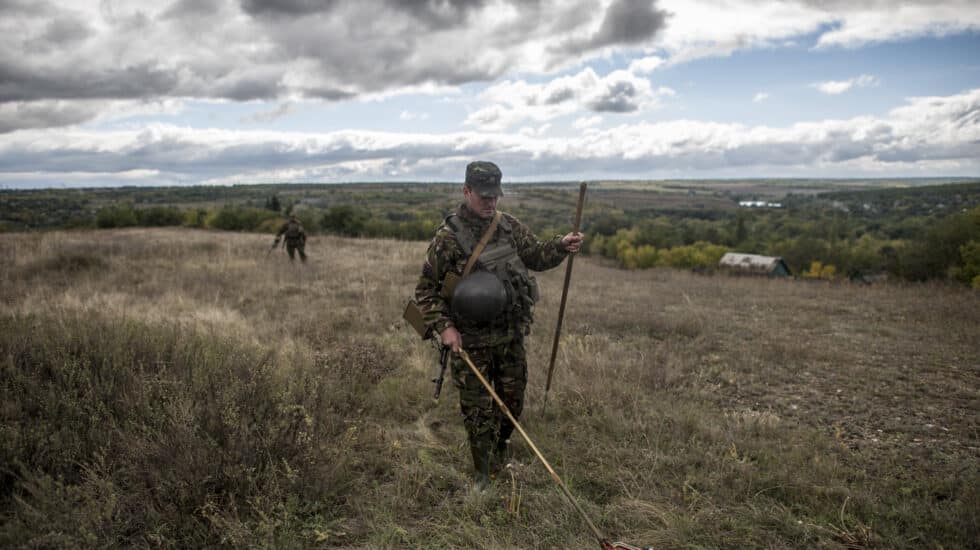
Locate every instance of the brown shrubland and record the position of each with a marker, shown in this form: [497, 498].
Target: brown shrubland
[181, 388]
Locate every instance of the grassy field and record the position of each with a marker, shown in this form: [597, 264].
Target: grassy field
[180, 388]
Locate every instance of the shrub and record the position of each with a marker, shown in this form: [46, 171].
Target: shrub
[117, 215]
[345, 220]
[121, 433]
[159, 216]
[237, 218]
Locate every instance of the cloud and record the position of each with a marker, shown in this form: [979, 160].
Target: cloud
[708, 28]
[290, 50]
[645, 65]
[59, 113]
[512, 102]
[45, 114]
[285, 48]
[923, 134]
[624, 22]
[587, 122]
[836, 87]
[268, 116]
[860, 23]
[760, 97]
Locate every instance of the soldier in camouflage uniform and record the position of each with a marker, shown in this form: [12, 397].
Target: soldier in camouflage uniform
[295, 238]
[496, 347]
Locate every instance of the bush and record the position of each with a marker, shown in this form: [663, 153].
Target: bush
[237, 218]
[122, 434]
[345, 220]
[159, 216]
[117, 215]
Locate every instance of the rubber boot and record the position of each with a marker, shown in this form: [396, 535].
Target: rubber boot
[481, 466]
[499, 459]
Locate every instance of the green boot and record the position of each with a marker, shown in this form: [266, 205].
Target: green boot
[481, 466]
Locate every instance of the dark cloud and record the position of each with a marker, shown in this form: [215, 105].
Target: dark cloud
[11, 8]
[193, 9]
[559, 96]
[59, 33]
[439, 13]
[625, 22]
[322, 49]
[328, 93]
[20, 83]
[630, 22]
[22, 116]
[618, 97]
[287, 8]
[249, 88]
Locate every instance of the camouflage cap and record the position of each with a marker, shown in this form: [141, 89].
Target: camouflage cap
[484, 178]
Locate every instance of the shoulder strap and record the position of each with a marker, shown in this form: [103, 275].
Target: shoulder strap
[482, 244]
[463, 237]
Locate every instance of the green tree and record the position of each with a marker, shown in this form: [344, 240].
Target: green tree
[117, 215]
[344, 219]
[159, 216]
[272, 203]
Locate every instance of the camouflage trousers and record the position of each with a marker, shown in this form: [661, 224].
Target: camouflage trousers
[293, 248]
[505, 368]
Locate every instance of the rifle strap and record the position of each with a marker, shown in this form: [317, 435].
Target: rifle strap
[482, 244]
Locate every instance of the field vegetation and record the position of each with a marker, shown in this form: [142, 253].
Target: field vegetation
[912, 230]
[177, 387]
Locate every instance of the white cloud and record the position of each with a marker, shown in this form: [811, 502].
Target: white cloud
[65, 63]
[587, 122]
[708, 28]
[836, 87]
[645, 65]
[760, 97]
[512, 102]
[864, 23]
[925, 133]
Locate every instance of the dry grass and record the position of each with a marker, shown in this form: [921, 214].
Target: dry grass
[181, 388]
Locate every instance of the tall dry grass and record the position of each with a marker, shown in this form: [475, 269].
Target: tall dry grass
[180, 388]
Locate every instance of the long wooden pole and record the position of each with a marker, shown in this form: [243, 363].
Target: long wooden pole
[564, 296]
[603, 542]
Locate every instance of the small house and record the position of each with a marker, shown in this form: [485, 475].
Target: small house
[753, 264]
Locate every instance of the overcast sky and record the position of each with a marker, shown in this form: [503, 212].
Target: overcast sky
[114, 92]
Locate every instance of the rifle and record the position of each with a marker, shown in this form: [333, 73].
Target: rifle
[443, 363]
[275, 244]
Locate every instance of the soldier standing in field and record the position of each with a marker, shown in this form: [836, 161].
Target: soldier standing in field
[295, 236]
[489, 311]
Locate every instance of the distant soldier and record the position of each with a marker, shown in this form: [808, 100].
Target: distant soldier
[489, 311]
[295, 236]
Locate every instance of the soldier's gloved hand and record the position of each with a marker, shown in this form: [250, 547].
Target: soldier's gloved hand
[275, 242]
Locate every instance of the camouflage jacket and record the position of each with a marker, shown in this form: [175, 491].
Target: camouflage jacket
[445, 255]
[296, 236]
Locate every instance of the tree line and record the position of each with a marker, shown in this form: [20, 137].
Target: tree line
[913, 234]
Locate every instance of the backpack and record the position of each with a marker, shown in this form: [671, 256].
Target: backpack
[293, 230]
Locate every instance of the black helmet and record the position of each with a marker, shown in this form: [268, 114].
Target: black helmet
[479, 298]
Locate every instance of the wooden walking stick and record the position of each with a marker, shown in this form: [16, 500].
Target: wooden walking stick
[564, 296]
[604, 543]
